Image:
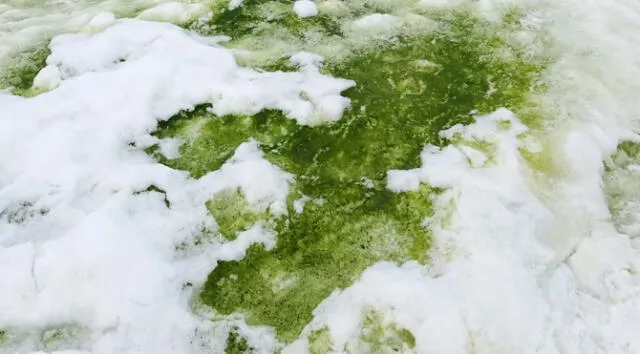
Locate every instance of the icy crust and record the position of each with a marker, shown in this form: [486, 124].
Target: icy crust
[504, 277]
[90, 224]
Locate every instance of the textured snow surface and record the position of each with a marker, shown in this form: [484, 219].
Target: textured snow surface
[83, 241]
[91, 227]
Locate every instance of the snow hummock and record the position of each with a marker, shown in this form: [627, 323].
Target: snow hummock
[84, 240]
[305, 8]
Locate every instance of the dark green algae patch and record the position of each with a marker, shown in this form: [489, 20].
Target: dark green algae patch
[408, 90]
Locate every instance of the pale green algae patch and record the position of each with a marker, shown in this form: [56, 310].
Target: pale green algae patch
[18, 72]
[622, 186]
[233, 213]
[319, 341]
[409, 88]
[375, 336]
[62, 337]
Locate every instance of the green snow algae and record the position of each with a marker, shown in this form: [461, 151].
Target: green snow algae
[20, 70]
[376, 336]
[408, 90]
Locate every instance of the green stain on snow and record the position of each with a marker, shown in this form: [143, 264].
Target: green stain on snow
[262, 17]
[622, 185]
[21, 213]
[543, 160]
[49, 339]
[272, 30]
[408, 90]
[232, 213]
[20, 70]
[64, 337]
[323, 248]
[236, 344]
[375, 336]
[627, 153]
[210, 140]
[319, 341]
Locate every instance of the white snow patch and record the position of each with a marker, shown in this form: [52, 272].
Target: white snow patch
[48, 78]
[265, 186]
[235, 4]
[476, 158]
[170, 148]
[24, 24]
[377, 22]
[220, 81]
[236, 250]
[298, 204]
[403, 181]
[305, 8]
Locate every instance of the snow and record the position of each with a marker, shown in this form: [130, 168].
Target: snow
[48, 78]
[305, 8]
[235, 4]
[375, 21]
[94, 249]
[102, 20]
[176, 12]
[24, 24]
[519, 265]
